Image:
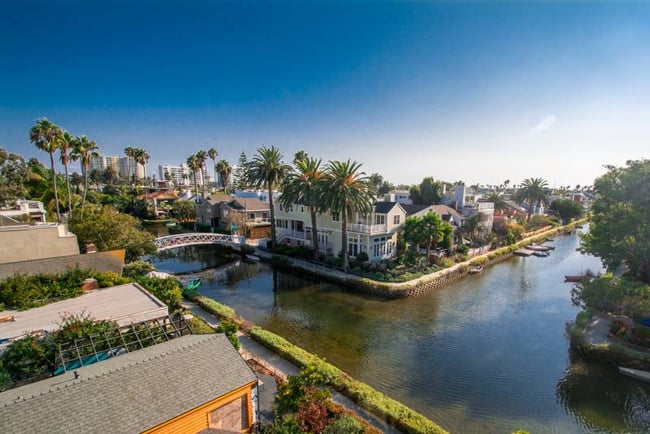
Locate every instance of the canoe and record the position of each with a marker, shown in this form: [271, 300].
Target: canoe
[574, 278]
[476, 269]
[193, 284]
[252, 258]
[635, 373]
[540, 254]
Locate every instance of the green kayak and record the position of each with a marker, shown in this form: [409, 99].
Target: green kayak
[193, 284]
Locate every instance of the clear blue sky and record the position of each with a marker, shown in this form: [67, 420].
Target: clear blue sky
[473, 91]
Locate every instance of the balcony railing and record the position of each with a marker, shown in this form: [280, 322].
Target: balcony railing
[368, 229]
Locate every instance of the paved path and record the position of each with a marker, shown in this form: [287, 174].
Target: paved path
[597, 331]
[281, 367]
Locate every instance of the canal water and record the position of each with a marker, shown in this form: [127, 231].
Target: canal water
[487, 354]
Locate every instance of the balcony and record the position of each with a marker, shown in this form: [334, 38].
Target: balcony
[368, 229]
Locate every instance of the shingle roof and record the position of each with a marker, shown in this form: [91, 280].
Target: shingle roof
[215, 199]
[249, 204]
[413, 209]
[128, 393]
[384, 207]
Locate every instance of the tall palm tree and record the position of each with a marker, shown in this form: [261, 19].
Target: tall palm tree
[268, 170]
[84, 149]
[201, 157]
[533, 191]
[346, 191]
[193, 164]
[129, 152]
[225, 170]
[65, 142]
[304, 186]
[44, 134]
[497, 199]
[142, 157]
[213, 154]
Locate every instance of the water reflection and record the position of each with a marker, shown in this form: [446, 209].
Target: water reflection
[486, 354]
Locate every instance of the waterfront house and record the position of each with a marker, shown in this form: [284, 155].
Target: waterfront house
[190, 384]
[208, 211]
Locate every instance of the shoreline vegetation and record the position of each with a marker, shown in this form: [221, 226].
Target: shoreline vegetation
[422, 284]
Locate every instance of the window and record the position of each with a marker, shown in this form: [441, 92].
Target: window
[302, 208]
[380, 219]
[251, 216]
[336, 217]
[396, 219]
[265, 216]
[280, 206]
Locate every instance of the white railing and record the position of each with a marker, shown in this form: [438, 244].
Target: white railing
[368, 229]
[172, 241]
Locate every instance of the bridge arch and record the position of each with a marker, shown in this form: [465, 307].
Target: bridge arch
[191, 239]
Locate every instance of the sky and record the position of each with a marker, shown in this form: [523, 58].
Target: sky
[477, 91]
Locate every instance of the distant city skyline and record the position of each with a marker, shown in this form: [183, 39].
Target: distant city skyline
[473, 91]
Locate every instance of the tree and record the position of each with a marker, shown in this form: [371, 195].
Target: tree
[44, 134]
[224, 169]
[110, 230]
[428, 230]
[193, 164]
[567, 209]
[241, 181]
[299, 156]
[212, 153]
[65, 141]
[533, 191]
[13, 176]
[619, 233]
[268, 170]
[85, 150]
[497, 199]
[346, 192]
[201, 158]
[129, 152]
[141, 157]
[427, 193]
[304, 186]
[375, 180]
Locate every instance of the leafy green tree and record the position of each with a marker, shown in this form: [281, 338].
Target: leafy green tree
[533, 191]
[426, 231]
[428, 192]
[567, 209]
[304, 185]
[497, 199]
[346, 192]
[84, 149]
[375, 180]
[13, 176]
[268, 170]
[299, 156]
[619, 233]
[44, 134]
[110, 230]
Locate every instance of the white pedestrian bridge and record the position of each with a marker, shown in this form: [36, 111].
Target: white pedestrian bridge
[191, 239]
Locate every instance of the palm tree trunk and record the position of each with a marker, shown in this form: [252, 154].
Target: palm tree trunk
[67, 184]
[83, 201]
[344, 239]
[314, 232]
[56, 192]
[273, 238]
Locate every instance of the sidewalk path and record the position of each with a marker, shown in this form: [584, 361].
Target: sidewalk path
[282, 368]
[597, 330]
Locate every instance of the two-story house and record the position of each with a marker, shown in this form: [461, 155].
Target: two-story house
[374, 234]
[245, 216]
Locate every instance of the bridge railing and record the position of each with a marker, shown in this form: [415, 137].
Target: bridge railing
[171, 241]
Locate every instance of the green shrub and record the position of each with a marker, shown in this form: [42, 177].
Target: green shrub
[344, 425]
[216, 308]
[25, 292]
[479, 261]
[168, 291]
[230, 330]
[109, 279]
[200, 327]
[136, 269]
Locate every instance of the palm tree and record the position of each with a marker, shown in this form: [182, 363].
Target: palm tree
[44, 134]
[225, 170]
[497, 199]
[268, 170]
[193, 164]
[84, 149]
[304, 186]
[213, 154]
[65, 142]
[300, 155]
[346, 191]
[533, 191]
[129, 152]
[141, 157]
[201, 157]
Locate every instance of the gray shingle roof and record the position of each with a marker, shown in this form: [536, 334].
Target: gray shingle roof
[128, 393]
[384, 207]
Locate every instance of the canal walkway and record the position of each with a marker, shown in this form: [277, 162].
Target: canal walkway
[281, 368]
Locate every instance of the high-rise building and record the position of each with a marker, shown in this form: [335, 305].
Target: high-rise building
[179, 175]
[125, 167]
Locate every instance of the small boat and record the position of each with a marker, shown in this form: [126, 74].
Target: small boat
[635, 373]
[170, 224]
[193, 284]
[645, 322]
[476, 269]
[574, 278]
[540, 254]
[251, 258]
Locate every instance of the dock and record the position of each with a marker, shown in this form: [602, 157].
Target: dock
[524, 252]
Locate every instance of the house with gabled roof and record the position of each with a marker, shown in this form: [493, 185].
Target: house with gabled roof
[375, 234]
[191, 384]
